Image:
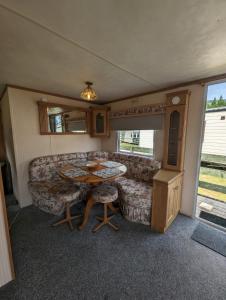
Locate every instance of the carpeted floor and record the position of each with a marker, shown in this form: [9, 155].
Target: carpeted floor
[210, 237]
[54, 263]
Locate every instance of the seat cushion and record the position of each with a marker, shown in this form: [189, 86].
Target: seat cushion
[135, 200]
[93, 155]
[136, 193]
[138, 167]
[51, 196]
[105, 193]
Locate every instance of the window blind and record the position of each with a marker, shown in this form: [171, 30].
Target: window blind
[151, 122]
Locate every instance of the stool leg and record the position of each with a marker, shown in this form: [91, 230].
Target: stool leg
[67, 218]
[105, 213]
[115, 227]
[105, 220]
[97, 227]
[112, 208]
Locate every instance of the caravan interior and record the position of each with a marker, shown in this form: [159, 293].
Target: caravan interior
[112, 149]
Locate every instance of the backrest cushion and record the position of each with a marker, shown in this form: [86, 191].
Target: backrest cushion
[92, 155]
[138, 167]
[46, 167]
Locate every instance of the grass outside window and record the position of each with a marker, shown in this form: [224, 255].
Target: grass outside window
[212, 184]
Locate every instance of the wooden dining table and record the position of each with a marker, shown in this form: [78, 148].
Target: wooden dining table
[92, 180]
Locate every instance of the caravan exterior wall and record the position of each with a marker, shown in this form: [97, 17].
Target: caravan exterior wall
[146, 138]
[215, 132]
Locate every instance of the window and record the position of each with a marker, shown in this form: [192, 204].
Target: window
[136, 141]
[56, 123]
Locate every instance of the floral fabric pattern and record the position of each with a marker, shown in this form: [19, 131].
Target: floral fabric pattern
[105, 193]
[50, 193]
[135, 200]
[51, 196]
[46, 167]
[138, 167]
[92, 155]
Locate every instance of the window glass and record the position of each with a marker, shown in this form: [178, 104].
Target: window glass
[136, 141]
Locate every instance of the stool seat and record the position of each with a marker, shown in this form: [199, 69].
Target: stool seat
[105, 193]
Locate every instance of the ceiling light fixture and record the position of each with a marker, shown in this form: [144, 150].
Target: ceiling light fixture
[88, 93]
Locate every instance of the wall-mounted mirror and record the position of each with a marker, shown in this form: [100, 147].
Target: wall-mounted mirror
[62, 119]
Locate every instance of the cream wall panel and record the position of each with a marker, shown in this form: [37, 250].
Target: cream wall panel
[109, 143]
[28, 143]
[80, 143]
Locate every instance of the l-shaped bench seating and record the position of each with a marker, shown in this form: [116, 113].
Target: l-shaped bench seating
[135, 188]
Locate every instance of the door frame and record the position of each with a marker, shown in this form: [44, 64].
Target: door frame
[2, 139]
[202, 118]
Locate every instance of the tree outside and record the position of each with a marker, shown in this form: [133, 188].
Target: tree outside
[216, 102]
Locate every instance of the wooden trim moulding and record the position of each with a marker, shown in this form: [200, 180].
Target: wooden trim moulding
[52, 104]
[46, 93]
[3, 92]
[201, 81]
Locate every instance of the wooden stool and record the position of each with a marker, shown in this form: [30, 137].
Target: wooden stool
[105, 194]
[68, 217]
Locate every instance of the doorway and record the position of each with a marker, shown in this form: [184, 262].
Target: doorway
[211, 198]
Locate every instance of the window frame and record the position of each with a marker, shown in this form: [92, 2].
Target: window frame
[138, 154]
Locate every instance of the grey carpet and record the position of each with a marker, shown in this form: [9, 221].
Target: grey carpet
[54, 263]
[210, 237]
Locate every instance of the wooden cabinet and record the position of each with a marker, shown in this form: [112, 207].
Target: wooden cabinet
[166, 199]
[99, 122]
[175, 130]
[167, 183]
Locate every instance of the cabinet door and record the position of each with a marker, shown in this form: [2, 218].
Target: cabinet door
[100, 122]
[174, 200]
[174, 137]
[170, 206]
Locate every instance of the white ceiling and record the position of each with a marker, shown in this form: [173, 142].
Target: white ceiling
[124, 47]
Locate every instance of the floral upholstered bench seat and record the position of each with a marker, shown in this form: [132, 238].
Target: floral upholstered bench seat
[135, 200]
[135, 189]
[49, 192]
[51, 196]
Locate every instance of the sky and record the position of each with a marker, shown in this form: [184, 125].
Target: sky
[216, 90]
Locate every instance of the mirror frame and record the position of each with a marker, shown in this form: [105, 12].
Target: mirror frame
[43, 118]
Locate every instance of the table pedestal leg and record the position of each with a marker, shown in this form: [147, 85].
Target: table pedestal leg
[89, 205]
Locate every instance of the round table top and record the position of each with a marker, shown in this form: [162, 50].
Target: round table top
[91, 178]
